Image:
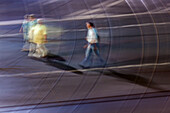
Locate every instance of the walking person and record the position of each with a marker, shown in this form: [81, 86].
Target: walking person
[92, 47]
[40, 38]
[24, 28]
[32, 23]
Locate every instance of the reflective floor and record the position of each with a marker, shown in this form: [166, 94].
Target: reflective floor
[134, 43]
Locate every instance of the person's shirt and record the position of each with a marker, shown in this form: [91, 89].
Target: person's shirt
[39, 31]
[92, 36]
[32, 23]
[25, 26]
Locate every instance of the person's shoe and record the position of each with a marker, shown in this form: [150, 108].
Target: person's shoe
[23, 50]
[44, 55]
[87, 67]
[36, 55]
[80, 65]
[84, 67]
[30, 54]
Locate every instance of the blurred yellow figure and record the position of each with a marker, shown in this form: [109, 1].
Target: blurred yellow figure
[39, 34]
[31, 24]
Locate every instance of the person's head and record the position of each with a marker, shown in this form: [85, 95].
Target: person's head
[31, 17]
[39, 21]
[90, 25]
[26, 16]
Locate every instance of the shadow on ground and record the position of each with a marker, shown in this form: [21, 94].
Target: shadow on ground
[58, 62]
[137, 61]
[135, 79]
[55, 57]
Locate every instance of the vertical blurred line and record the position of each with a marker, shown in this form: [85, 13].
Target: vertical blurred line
[75, 41]
[61, 75]
[80, 84]
[165, 7]
[83, 76]
[167, 98]
[156, 60]
[96, 81]
[141, 33]
[90, 89]
[157, 37]
[143, 47]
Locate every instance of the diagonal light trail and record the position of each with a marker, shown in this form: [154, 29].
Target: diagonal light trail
[85, 70]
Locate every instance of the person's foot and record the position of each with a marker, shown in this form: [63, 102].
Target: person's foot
[81, 65]
[30, 54]
[87, 67]
[36, 55]
[25, 50]
[84, 67]
[44, 55]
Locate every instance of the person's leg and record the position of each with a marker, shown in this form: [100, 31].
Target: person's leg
[43, 50]
[37, 52]
[25, 46]
[32, 49]
[26, 43]
[88, 54]
[96, 51]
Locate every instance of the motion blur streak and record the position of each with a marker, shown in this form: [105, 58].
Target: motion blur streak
[134, 42]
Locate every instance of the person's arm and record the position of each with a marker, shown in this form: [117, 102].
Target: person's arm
[21, 29]
[86, 38]
[85, 46]
[45, 34]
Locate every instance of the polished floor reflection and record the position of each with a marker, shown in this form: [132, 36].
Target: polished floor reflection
[134, 43]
